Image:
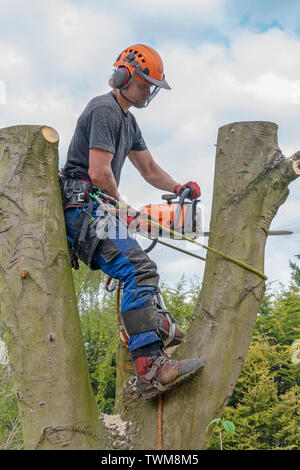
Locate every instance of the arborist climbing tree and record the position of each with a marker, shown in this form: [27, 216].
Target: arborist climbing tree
[106, 133]
[38, 307]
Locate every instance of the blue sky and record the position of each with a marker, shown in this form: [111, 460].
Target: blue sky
[226, 61]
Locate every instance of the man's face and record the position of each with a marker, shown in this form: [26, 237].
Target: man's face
[138, 92]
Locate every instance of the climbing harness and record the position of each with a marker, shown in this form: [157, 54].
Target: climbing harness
[80, 193]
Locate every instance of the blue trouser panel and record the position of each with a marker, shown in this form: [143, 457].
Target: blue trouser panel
[127, 265]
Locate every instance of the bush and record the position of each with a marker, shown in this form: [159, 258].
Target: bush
[11, 437]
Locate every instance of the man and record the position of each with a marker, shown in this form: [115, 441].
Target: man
[106, 133]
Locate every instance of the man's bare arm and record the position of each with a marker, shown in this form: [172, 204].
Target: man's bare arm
[151, 171]
[101, 173]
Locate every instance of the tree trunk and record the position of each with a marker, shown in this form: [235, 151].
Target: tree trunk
[40, 316]
[37, 299]
[251, 182]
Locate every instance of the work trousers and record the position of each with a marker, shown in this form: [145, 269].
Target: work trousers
[121, 257]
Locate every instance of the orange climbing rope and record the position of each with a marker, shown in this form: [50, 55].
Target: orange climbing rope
[159, 430]
[123, 375]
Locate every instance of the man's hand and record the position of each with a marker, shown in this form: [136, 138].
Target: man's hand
[194, 193]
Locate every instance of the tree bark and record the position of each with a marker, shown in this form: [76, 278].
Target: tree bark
[38, 307]
[251, 182]
[40, 315]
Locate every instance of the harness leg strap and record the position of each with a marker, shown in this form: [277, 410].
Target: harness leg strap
[86, 219]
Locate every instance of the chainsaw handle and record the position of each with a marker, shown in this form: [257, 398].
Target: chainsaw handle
[183, 195]
[168, 197]
[151, 246]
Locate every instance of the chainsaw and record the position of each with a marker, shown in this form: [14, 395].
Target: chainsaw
[182, 217]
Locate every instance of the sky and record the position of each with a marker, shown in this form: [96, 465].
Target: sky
[225, 60]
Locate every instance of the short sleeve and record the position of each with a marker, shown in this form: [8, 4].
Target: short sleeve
[103, 128]
[138, 141]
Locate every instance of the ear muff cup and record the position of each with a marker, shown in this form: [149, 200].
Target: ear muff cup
[121, 77]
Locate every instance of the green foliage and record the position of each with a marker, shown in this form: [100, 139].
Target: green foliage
[295, 272]
[265, 405]
[10, 428]
[264, 418]
[281, 320]
[222, 427]
[181, 300]
[97, 310]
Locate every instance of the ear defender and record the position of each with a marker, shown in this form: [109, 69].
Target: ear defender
[121, 77]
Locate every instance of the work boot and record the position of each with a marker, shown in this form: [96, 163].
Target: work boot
[160, 373]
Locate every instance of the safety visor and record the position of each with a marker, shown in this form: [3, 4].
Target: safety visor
[161, 84]
[153, 92]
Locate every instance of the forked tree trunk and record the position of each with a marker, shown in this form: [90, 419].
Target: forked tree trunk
[38, 304]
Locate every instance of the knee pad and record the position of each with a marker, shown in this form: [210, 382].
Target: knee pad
[145, 267]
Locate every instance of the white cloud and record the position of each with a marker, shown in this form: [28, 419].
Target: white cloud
[10, 58]
[289, 211]
[2, 92]
[81, 40]
[269, 88]
[211, 82]
[203, 6]
[41, 107]
[14, 63]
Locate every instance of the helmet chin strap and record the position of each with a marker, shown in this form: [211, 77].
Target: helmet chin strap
[135, 103]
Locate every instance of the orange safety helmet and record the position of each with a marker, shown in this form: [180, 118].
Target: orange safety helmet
[142, 63]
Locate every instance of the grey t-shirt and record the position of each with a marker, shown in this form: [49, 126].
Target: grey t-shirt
[103, 124]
